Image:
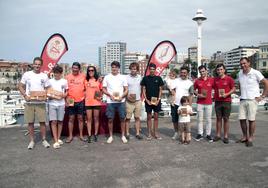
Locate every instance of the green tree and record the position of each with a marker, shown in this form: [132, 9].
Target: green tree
[265, 73]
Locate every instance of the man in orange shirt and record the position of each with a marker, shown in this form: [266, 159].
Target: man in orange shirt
[75, 100]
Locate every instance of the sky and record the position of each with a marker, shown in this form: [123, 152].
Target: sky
[87, 25]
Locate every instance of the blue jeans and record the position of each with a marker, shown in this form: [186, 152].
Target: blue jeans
[119, 107]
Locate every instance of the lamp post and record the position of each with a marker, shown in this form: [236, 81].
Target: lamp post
[199, 18]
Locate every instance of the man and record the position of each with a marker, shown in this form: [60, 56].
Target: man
[133, 102]
[182, 86]
[224, 87]
[75, 100]
[203, 88]
[249, 80]
[152, 91]
[35, 81]
[115, 87]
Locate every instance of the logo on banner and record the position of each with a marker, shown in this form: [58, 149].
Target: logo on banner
[55, 47]
[161, 56]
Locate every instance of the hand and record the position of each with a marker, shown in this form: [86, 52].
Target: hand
[98, 98]
[27, 98]
[120, 99]
[157, 102]
[258, 99]
[112, 98]
[148, 102]
[201, 96]
[224, 95]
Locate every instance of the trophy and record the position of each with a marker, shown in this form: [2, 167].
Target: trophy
[97, 95]
[221, 92]
[54, 94]
[153, 101]
[38, 95]
[70, 101]
[204, 92]
[184, 111]
[116, 95]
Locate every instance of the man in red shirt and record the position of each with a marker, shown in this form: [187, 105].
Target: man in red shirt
[224, 87]
[75, 100]
[203, 88]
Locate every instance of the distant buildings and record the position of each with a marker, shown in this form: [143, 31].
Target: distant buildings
[192, 53]
[262, 57]
[129, 58]
[233, 56]
[113, 51]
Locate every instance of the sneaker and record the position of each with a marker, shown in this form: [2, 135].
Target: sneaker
[139, 137]
[31, 145]
[209, 138]
[124, 140]
[127, 137]
[89, 140]
[226, 141]
[216, 139]
[95, 138]
[56, 145]
[110, 140]
[45, 144]
[175, 136]
[60, 141]
[198, 137]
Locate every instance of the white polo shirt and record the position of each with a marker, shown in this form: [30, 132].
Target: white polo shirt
[249, 84]
[182, 88]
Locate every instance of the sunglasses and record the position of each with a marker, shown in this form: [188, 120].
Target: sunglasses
[91, 70]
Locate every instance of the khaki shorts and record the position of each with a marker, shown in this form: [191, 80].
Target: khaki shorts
[248, 109]
[33, 111]
[133, 108]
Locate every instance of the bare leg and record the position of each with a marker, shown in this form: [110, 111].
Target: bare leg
[123, 127]
[43, 130]
[54, 130]
[110, 126]
[60, 123]
[176, 126]
[31, 131]
[127, 126]
[81, 125]
[71, 127]
[89, 121]
[218, 126]
[252, 127]
[156, 125]
[137, 125]
[226, 127]
[149, 124]
[96, 120]
[243, 124]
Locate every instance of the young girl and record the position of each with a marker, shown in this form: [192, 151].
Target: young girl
[184, 111]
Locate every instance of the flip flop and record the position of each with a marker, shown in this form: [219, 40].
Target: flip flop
[149, 138]
[241, 141]
[68, 140]
[158, 137]
[83, 139]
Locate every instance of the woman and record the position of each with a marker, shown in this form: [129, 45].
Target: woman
[92, 101]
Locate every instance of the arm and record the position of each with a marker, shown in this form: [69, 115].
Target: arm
[265, 89]
[104, 90]
[21, 88]
[144, 94]
[124, 93]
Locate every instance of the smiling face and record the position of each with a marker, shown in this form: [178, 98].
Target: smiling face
[245, 65]
[115, 69]
[183, 74]
[37, 66]
[91, 72]
[203, 72]
[133, 71]
[220, 71]
[75, 70]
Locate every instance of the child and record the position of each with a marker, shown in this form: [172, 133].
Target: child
[184, 111]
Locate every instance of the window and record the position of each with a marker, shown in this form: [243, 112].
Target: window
[264, 63]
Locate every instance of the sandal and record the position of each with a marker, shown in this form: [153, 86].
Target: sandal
[158, 137]
[83, 139]
[68, 140]
[149, 138]
[241, 141]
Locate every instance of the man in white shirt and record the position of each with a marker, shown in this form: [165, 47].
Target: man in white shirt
[133, 102]
[115, 87]
[249, 80]
[35, 81]
[181, 86]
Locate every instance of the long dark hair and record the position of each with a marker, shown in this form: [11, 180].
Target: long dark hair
[96, 75]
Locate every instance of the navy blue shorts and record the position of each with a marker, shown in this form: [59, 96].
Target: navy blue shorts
[77, 109]
[119, 107]
[174, 113]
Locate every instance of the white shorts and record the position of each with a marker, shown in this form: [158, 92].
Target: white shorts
[56, 112]
[248, 109]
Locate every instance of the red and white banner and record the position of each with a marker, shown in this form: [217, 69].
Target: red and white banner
[161, 56]
[53, 50]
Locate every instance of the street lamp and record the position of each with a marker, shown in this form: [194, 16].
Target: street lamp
[199, 18]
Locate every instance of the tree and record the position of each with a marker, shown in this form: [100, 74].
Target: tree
[234, 74]
[192, 66]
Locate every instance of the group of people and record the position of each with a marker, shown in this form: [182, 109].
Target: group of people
[78, 93]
